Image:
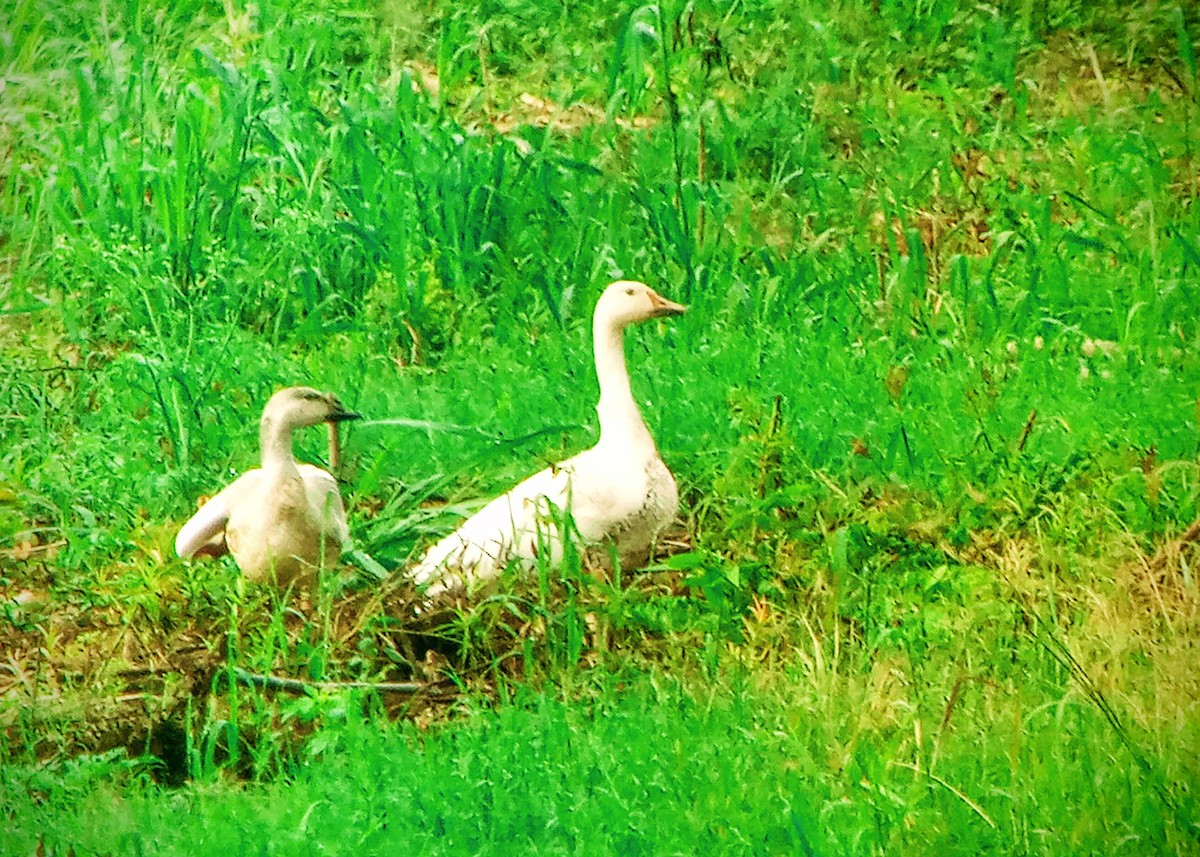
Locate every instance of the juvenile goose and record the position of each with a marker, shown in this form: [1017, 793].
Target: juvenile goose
[618, 492]
[282, 518]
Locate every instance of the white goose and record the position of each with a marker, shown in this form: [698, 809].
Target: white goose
[618, 492]
[282, 519]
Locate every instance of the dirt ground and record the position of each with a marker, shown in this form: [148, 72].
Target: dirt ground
[79, 678]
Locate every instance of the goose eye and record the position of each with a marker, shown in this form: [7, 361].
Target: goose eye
[629, 292]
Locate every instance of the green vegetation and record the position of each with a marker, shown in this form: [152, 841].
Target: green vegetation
[934, 414]
[654, 770]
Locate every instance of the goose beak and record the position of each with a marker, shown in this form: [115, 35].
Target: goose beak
[660, 306]
[342, 416]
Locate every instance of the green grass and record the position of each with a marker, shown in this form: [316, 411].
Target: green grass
[933, 411]
[737, 767]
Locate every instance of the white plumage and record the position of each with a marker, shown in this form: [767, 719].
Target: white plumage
[618, 492]
[283, 520]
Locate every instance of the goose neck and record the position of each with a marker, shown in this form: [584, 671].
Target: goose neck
[275, 436]
[620, 418]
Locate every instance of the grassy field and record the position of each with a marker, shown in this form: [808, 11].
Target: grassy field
[934, 412]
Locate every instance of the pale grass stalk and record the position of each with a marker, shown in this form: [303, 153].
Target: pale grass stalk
[954, 791]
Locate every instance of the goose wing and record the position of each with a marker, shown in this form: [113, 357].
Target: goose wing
[511, 525]
[210, 519]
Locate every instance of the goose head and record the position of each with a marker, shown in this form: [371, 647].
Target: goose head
[628, 301]
[297, 407]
